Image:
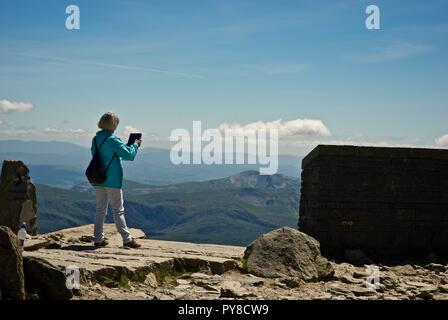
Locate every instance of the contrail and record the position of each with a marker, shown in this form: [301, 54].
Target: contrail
[117, 66]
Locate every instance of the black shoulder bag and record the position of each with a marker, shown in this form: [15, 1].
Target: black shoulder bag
[95, 172]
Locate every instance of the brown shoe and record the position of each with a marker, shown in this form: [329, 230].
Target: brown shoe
[132, 244]
[101, 244]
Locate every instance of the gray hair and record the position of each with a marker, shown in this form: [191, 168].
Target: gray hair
[108, 121]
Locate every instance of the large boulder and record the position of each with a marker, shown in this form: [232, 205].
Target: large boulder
[12, 283]
[17, 197]
[45, 280]
[287, 252]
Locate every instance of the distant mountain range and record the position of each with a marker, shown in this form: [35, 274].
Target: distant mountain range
[62, 164]
[233, 210]
[227, 204]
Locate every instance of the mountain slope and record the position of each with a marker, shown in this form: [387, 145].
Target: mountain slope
[233, 210]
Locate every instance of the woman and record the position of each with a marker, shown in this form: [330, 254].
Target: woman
[112, 150]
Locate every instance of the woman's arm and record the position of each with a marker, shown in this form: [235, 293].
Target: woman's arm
[124, 151]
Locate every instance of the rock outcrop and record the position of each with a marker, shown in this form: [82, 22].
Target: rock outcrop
[45, 280]
[289, 253]
[12, 281]
[112, 264]
[168, 270]
[17, 197]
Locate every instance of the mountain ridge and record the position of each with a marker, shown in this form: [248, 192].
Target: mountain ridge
[215, 211]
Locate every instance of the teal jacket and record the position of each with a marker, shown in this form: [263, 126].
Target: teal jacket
[113, 147]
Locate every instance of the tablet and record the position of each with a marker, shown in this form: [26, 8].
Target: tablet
[133, 137]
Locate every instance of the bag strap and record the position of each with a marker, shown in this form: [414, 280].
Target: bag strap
[110, 162]
[98, 149]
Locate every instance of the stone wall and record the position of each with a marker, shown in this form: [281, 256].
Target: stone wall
[17, 197]
[384, 201]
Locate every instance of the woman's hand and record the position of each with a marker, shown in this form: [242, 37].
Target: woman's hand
[138, 142]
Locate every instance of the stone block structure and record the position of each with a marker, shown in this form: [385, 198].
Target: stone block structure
[384, 201]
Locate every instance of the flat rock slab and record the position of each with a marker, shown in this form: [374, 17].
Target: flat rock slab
[75, 250]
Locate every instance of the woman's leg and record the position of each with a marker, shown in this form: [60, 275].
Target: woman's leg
[101, 210]
[116, 202]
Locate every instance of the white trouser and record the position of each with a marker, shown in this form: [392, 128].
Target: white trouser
[114, 196]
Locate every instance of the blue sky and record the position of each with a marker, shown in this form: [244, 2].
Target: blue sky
[162, 64]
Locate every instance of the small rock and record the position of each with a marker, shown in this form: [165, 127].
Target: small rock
[253, 282]
[363, 292]
[401, 290]
[142, 295]
[360, 274]
[425, 295]
[183, 287]
[179, 295]
[406, 270]
[206, 286]
[349, 280]
[280, 285]
[151, 280]
[199, 275]
[421, 285]
[381, 288]
[233, 289]
[162, 296]
[86, 239]
[216, 278]
[56, 236]
[339, 290]
[323, 296]
[441, 296]
[182, 282]
[389, 297]
[443, 288]
[291, 282]
[78, 292]
[436, 267]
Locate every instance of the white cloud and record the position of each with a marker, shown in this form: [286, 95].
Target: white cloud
[442, 141]
[66, 131]
[7, 106]
[18, 132]
[298, 127]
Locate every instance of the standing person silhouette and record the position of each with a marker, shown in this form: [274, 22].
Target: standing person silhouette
[112, 151]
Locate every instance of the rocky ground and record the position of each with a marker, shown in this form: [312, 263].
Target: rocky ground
[173, 270]
[398, 283]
